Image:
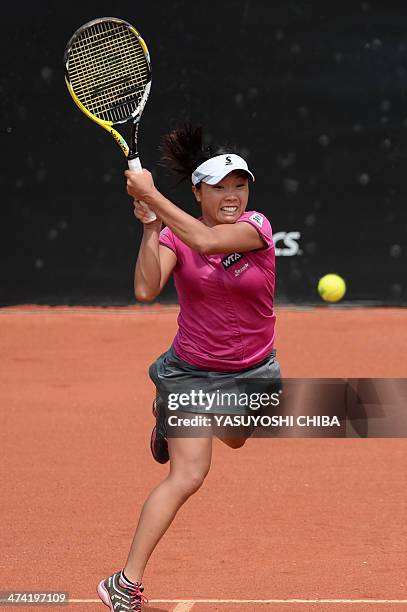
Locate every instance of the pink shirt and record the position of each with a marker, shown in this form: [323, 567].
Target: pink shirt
[226, 320]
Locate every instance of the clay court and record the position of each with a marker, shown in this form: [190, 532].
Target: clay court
[281, 524]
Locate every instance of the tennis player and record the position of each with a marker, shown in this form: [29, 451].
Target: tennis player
[223, 265]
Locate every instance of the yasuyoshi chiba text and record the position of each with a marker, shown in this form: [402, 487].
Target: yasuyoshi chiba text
[251, 420]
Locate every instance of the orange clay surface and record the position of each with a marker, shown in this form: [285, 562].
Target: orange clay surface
[284, 519]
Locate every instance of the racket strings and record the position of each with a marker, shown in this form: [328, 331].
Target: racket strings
[86, 55]
[98, 93]
[108, 70]
[107, 58]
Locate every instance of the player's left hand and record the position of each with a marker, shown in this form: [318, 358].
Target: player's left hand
[140, 185]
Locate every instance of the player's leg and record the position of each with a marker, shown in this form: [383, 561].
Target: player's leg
[233, 436]
[232, 442]
[190, 460]
[159, 441]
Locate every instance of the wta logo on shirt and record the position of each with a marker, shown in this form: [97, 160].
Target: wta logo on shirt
[230, 259]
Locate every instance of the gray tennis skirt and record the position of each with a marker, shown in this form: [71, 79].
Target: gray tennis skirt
[187, 388]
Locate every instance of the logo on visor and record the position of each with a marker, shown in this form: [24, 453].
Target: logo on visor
[228, 161]
[229, 260]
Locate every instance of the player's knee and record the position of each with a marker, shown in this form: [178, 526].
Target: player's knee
[194, 479]
[190, 480]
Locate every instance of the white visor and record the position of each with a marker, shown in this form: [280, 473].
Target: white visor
[216, 168]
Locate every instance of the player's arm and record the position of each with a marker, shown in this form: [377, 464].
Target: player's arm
[154, 265]
[223, 238]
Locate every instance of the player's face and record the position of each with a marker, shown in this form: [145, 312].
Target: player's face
[224, 202]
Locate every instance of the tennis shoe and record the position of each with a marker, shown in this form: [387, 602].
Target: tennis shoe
[121, 598]
[159, 441]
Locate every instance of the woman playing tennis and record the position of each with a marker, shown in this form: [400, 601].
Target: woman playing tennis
[223, 265]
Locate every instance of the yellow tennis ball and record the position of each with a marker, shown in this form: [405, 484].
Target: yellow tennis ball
[331, 288]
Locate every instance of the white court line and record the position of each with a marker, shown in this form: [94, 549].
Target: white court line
[259, 601]
[185, 606]
[107, 311]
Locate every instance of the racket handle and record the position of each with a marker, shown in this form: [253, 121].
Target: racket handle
[135, 166]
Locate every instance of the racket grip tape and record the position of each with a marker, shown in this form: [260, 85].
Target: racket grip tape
[135, 166]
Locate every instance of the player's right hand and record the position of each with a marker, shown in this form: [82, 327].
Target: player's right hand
[143, 214]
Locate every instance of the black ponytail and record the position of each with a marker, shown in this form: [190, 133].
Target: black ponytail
[182, 150]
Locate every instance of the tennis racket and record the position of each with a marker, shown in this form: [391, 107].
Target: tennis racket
[108, 74]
